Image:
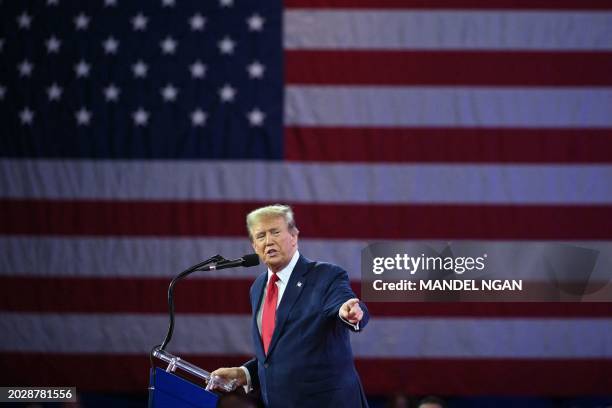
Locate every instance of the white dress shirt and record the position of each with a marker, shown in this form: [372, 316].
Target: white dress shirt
[283, 278]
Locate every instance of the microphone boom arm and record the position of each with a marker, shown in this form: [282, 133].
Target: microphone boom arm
[186, 272]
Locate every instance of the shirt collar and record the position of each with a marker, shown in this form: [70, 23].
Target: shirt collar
[285, 273]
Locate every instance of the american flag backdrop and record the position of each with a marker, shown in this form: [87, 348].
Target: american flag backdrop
[136, 135]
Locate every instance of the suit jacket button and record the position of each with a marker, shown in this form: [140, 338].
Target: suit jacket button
[266, 365]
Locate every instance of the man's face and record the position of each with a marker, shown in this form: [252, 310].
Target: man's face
[273, 242]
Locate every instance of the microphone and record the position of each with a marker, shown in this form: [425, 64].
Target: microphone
[246, 261]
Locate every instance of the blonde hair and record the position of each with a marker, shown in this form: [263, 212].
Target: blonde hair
[270, 211]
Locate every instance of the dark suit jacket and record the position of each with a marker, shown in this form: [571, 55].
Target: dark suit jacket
[310, 361]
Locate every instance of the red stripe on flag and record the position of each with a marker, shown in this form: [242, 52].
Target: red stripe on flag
[231, 296]
[123, 295]
[474, 68]
[453, 4]
[569, 377]
[487, 376]
[449, 145]
[171, 218]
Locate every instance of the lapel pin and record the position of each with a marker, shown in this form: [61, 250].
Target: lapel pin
[299, 284]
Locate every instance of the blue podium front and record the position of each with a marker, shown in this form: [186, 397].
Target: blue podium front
[170, 390]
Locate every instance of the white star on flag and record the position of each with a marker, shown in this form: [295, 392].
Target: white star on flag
[83, 116]
[197, 22]
[227, 93]
[255, 22]
[1, 44]
[24, 20]
[53, 44]
[198, 70]
[111, 93]
[52, 3]
[256, 69]
[82, 69]
[168, 3]
[25, 68]
[2, 92]
[54, 92]
[226, 45]
[140, 69]
[168, 45]
[110, 3]
[256, 117]
[169, 93]
[81, 22]
[198, 117]
[139, 22]
[141, 117]
[226, 3]
[26, 116]
[110, 45]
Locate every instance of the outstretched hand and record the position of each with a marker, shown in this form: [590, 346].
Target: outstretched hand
[351, 311]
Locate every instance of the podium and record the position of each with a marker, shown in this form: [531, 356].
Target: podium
[167, 389]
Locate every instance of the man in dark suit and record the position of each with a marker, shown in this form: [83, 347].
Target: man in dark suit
[302, 314]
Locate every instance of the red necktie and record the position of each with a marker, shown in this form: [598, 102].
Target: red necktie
[269, 312]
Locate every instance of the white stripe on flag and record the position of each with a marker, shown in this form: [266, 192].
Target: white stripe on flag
[447, 30]
[485, 338]
[123, 333]
[153, 258]
[448, 106]
[335, 183]
[384, 337]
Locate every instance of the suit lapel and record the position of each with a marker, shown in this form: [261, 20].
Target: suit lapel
[256, 299]
[292, 293]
